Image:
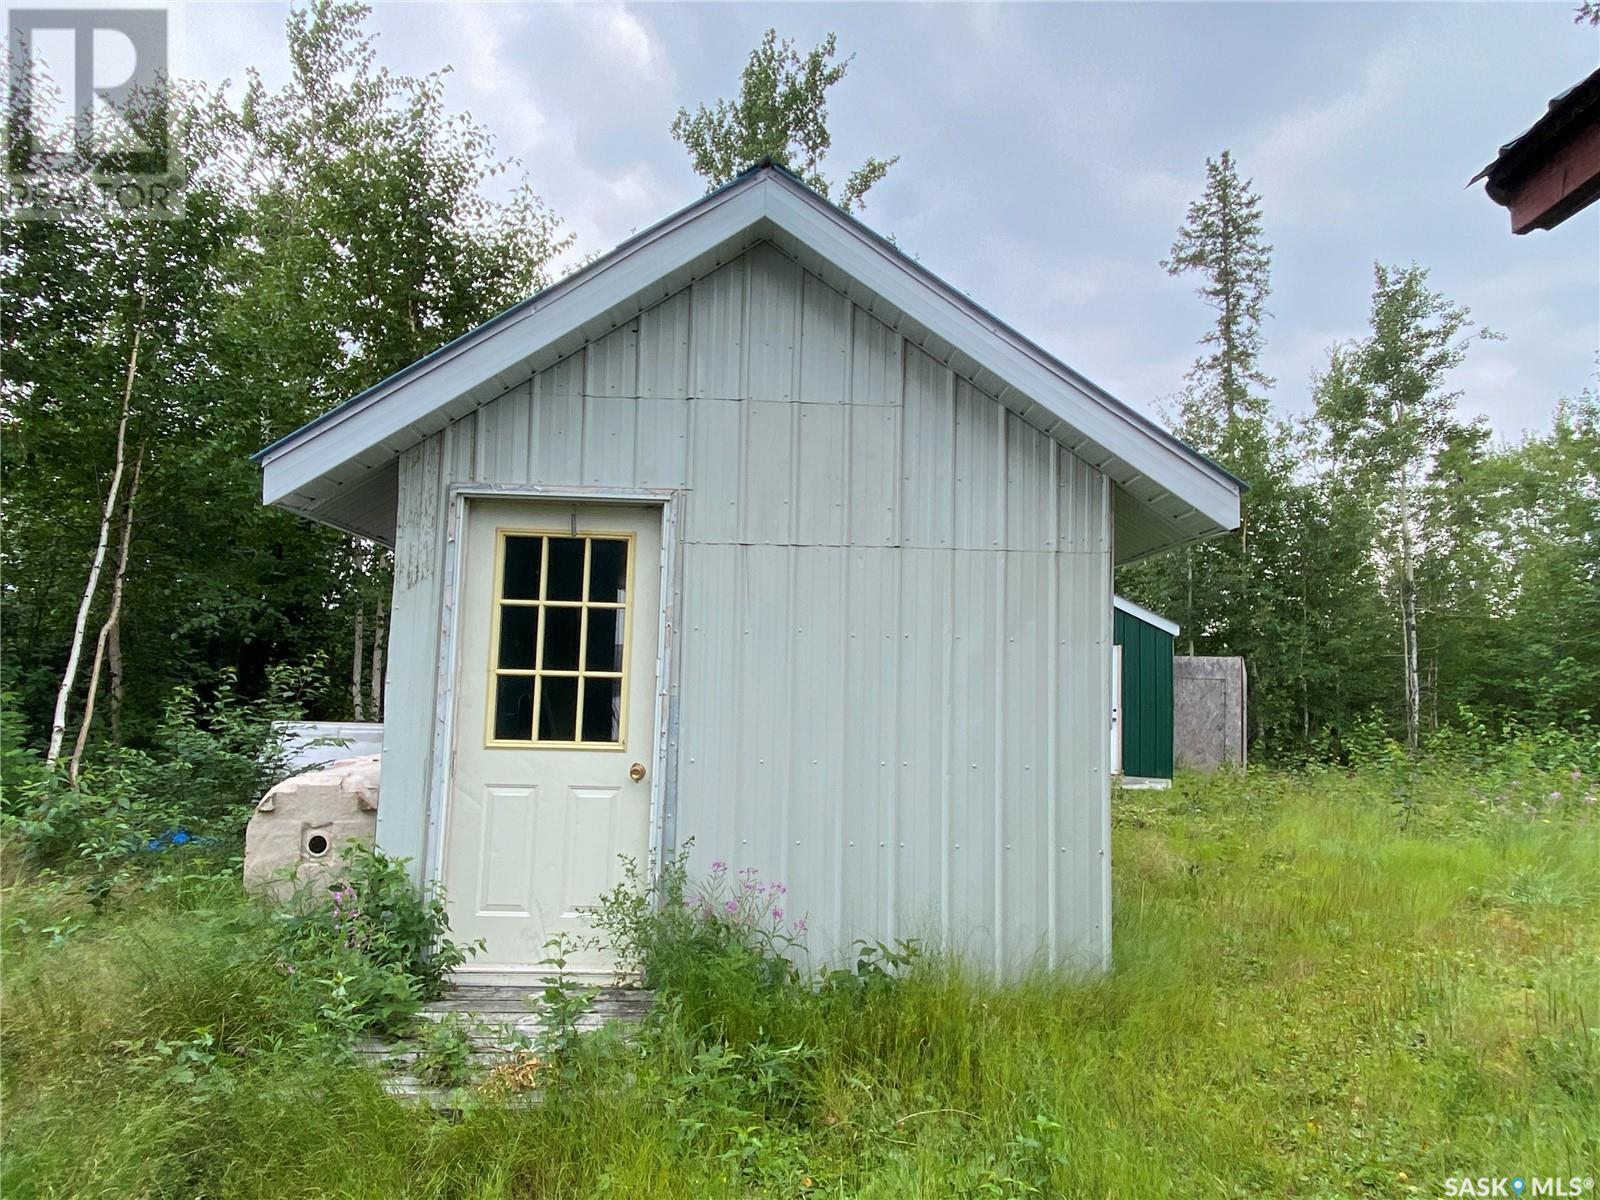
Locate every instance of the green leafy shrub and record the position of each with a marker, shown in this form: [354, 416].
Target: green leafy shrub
[444, 1053]
[724, 948]
[371, 944]
[210, 762]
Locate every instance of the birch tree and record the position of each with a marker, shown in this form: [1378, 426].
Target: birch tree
[781, 113]
[106, 644]
[69, 676]
[1391, 416]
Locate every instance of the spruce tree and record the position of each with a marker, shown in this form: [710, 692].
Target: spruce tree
[1222, 592]
[1224, 408]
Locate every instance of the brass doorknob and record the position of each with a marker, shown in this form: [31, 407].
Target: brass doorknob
[636, 772]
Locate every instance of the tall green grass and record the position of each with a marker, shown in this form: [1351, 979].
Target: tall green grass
[1325, 985]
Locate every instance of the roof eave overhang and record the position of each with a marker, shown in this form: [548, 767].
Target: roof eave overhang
[1141, 613]
[1182, 496]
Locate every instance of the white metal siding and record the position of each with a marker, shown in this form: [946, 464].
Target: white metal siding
[419, 553]
[893, 630]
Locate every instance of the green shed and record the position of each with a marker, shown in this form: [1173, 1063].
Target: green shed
[1141, 683]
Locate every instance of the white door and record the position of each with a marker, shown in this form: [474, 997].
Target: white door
[554, 722]
[1116, 710]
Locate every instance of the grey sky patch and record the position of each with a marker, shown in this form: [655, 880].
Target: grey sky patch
[1048, 153]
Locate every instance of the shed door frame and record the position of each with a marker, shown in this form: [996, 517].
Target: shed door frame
[1116, 709]
[663, 789]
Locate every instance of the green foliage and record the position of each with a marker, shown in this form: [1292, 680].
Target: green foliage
[375, 241]
[782, 114]
[192, 792]
[724, 946]
[1392, 562]
[1316, 991]
[1223, 241]
[445, 1052]
[333, 230]
[370, 946]
[564, 1004]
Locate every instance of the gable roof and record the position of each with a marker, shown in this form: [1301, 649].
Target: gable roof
[1140, 613]
[1166, 493]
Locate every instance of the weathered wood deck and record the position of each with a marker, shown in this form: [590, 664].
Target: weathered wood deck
[504, 1022]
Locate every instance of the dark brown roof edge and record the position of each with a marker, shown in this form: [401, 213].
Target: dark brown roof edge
[1565, 113]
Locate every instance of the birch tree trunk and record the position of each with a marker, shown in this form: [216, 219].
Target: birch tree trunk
[380, 638]
[119, 579]
[69, 677]
[357, 700]
[1188, 604]
[1408, 616]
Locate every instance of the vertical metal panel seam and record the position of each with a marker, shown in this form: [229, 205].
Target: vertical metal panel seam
[947, 677]
[848, 526]
[892, 877]
[792, 516]
[1002, 491]
[841, 707]
[999, 789]
[1052, 793]
[783, 770]
[1105, 573]
[637, 425]
[898, 531]
[746, 329]
[733, 699]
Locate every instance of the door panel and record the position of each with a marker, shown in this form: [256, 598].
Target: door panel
[1116, 710]
[555, 704]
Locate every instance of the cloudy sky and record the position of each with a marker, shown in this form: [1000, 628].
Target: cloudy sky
[1048, 152]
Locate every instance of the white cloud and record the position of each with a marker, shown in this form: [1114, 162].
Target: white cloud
[618, 34]
[488, 77]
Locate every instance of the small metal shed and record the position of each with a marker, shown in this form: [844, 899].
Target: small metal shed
[754, 532]
[1141, 672]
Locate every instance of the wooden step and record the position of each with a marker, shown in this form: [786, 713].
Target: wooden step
[501, 1022]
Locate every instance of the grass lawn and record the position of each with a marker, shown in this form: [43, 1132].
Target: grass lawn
[1317, 992]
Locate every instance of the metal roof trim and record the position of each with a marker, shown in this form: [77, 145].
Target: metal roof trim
[767, 192]
[1140, 612]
